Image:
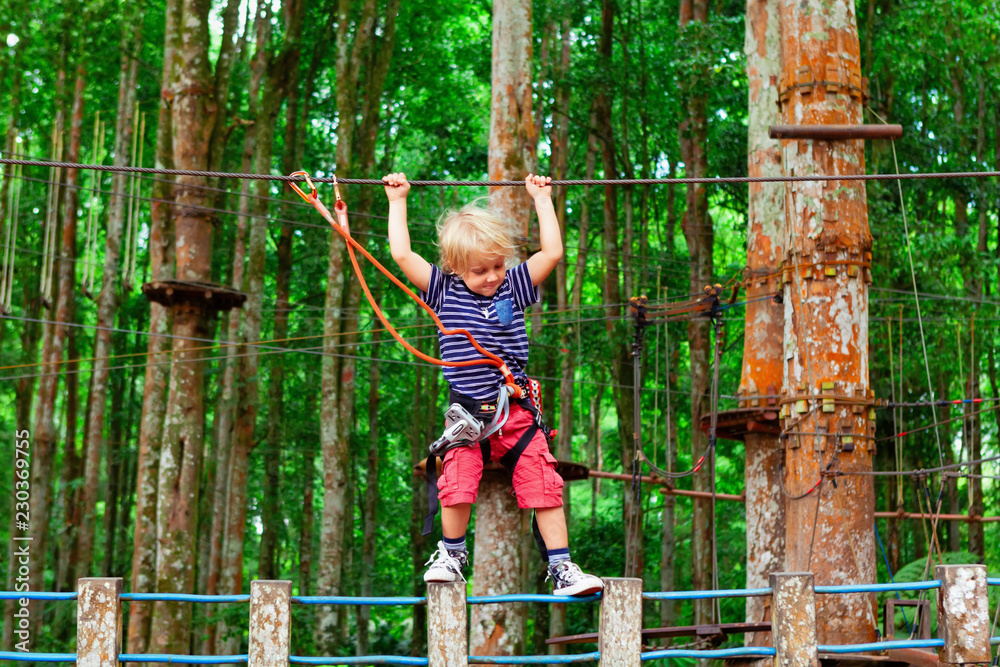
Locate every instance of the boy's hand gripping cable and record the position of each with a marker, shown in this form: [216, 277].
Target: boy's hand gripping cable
[341, 225]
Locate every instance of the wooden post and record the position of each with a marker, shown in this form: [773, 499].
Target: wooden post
[963, 613]
[793, 619]
[270, 623]
[99, 622]
[447, 616]
[620, 632]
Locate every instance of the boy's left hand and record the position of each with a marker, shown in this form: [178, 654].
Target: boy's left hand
[538, 186]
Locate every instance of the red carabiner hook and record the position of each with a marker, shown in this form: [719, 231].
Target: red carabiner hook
[313, 199]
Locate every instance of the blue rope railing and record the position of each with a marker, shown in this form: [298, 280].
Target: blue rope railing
[175, 659]
[747, 651]
[362, 660]
[37, 595]
[534, 659]
[21, 656]
[358, 601]
[879, 646]
[993, 581]
[531, 597]
[184, 597]
[739, 652]
[701, 595]
[879, 588]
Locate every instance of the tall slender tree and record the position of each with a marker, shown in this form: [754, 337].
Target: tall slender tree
[762, 349]
[697, 225]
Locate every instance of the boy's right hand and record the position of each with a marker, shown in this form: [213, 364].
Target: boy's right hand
[396, 186]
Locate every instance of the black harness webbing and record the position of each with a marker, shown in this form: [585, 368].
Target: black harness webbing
[508, 461]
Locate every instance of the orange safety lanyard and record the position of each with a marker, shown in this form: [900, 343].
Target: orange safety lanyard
[342, 226]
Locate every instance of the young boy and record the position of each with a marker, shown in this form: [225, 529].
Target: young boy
[472, 289]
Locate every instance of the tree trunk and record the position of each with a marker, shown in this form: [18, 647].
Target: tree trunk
[154, 392]
[362, 63]
[425, 394]
[977, 535]
[107, 302]
[192, 119]
[497, 565]
[762, 348]
[829, 531]
[53, 343]
[370, 512]
[699, 235]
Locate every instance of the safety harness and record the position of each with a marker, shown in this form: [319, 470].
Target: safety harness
[477, 421]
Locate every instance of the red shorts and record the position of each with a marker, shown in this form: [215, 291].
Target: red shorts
[536, 482]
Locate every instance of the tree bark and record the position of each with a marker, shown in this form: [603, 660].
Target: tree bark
[107, 298]
[370, 512]
[762, 346]
[192, 119]
[698, 233]
[829, 531]
[362, 63]
[497, 565]
[53, 344]
[425, 385]
[154, 392]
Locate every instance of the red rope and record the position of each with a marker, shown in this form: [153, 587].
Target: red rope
[344, 229]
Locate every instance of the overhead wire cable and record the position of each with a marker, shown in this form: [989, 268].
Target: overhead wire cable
[307, 225]
[487, 183]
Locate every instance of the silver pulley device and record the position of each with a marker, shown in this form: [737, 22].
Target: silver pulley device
[462, 429]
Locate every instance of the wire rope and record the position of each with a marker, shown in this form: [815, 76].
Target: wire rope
[486, 183]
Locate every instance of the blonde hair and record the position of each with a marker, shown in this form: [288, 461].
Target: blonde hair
[473, 231]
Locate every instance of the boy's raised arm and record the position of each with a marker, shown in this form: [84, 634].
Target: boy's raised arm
[414, 267]
[540, 264]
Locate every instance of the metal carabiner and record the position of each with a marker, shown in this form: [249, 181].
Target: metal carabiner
[313, 199]
[312, 188]
[336, 189]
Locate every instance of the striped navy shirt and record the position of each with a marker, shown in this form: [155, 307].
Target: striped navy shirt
[460, 307]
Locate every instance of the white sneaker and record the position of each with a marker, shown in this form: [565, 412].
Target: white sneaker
[568, 579]
[446, 565]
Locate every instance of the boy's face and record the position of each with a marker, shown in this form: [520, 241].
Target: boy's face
[485, 273]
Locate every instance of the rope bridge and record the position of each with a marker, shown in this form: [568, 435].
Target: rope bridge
[964, 632]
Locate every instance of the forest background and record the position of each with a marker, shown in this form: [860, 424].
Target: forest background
[621, 89]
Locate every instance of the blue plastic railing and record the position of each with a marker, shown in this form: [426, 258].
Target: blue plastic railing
[184, 659]
[183, 597]
[700, 595]
[18, 656]
[879, 588]
[530, 597]
[363, 660]
[368, 601]
[879, 646]
[36, 595]
[993, 581]
[534, 659]
[748, 651]
[739, 652]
